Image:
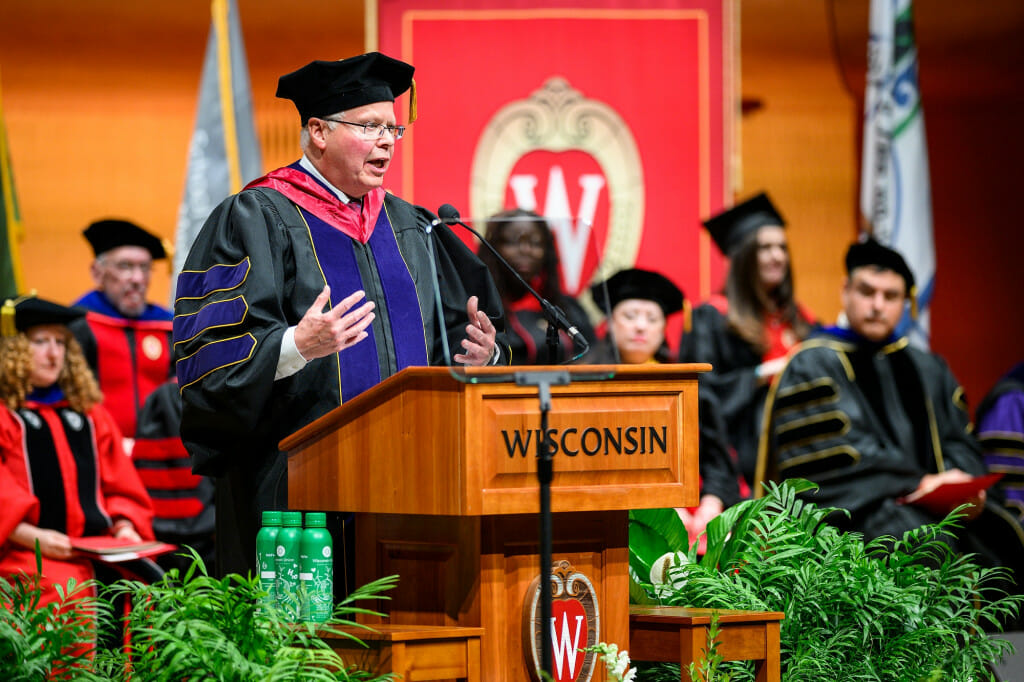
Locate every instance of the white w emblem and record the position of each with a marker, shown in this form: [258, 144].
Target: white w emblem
[572, 239]
[563, 648]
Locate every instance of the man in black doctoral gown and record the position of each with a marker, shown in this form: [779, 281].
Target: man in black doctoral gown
[311, 286]
[873, 421]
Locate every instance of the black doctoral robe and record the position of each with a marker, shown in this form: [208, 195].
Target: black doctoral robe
[866, 422]
[255, 268]
[732, 379]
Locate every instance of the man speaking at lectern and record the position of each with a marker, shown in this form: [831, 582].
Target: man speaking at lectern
[312, 285]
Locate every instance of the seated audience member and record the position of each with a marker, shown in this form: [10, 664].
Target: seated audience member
[183, 502]
[641, 302]
[872, 420]
[63, 472]
[746, 333]
[126, 339]
[524, 239]
[1000, 427]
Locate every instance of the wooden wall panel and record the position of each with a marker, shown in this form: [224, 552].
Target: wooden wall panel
[100, 99]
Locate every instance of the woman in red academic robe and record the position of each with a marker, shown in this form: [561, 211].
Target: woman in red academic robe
[63, 471]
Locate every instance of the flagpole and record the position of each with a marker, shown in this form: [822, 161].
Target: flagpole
[224, 152]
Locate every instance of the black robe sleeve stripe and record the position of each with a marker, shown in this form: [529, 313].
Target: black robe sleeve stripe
[200, 284]
[213, 356]
[818, 392]
[216, 314]
[816, 465]
[834, 424]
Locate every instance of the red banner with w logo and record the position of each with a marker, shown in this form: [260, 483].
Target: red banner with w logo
[612, 119]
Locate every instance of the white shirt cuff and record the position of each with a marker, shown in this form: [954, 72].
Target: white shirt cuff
[290, 360]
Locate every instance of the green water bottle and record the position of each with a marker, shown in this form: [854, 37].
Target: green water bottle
[286, 585]
[266, 555]
[316, 569]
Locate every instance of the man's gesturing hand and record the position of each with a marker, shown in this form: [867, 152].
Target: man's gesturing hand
[321, 333]
[479, 345]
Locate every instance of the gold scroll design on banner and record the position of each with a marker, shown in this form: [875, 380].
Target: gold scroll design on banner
[557, 118]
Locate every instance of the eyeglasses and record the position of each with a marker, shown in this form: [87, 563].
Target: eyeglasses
[123, 267]
[373, 131]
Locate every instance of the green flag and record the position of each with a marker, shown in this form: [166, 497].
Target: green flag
[11, 230]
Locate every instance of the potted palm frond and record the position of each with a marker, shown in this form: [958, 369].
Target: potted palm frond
[196, 627]
[904, 609]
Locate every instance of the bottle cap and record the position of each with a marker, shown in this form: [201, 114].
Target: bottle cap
[271, 518]
[316, 520]
[292, 518]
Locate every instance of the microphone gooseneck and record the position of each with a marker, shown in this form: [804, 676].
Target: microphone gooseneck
[438, 307]
[449, 215]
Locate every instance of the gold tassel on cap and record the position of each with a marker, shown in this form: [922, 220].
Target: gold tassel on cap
[412, 101]
[7, 326]
[913, 302]
[687, 316]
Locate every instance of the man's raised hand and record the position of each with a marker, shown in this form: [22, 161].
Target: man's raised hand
[478, 346]
[319, 333]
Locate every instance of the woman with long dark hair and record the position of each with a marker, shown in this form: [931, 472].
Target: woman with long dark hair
[524, 239]
[747, 333]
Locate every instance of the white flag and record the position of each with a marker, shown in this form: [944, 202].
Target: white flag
[224, 153]
[895, 196]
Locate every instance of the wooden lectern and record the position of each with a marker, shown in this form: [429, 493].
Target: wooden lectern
[442, 477]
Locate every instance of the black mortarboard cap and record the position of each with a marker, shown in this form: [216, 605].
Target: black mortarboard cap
[642, 284]
[321, 88]
[19, 314]
[870, 251]
[730, 227]
[105, 235]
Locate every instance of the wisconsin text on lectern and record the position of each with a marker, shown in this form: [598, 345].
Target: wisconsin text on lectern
[591, 441]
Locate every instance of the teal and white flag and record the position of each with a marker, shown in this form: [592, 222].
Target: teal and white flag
[895, 194]
[224, 153]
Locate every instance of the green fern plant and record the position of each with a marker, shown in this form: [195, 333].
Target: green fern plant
[709, 668]
[195, 627]
[906, 609]
[46, 641]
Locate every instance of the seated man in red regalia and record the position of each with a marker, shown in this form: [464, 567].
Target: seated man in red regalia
[126, 340]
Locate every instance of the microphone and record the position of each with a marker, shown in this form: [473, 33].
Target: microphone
[449, 215]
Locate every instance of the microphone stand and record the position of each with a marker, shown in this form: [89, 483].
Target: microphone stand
[545, 472]
[543, 380]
